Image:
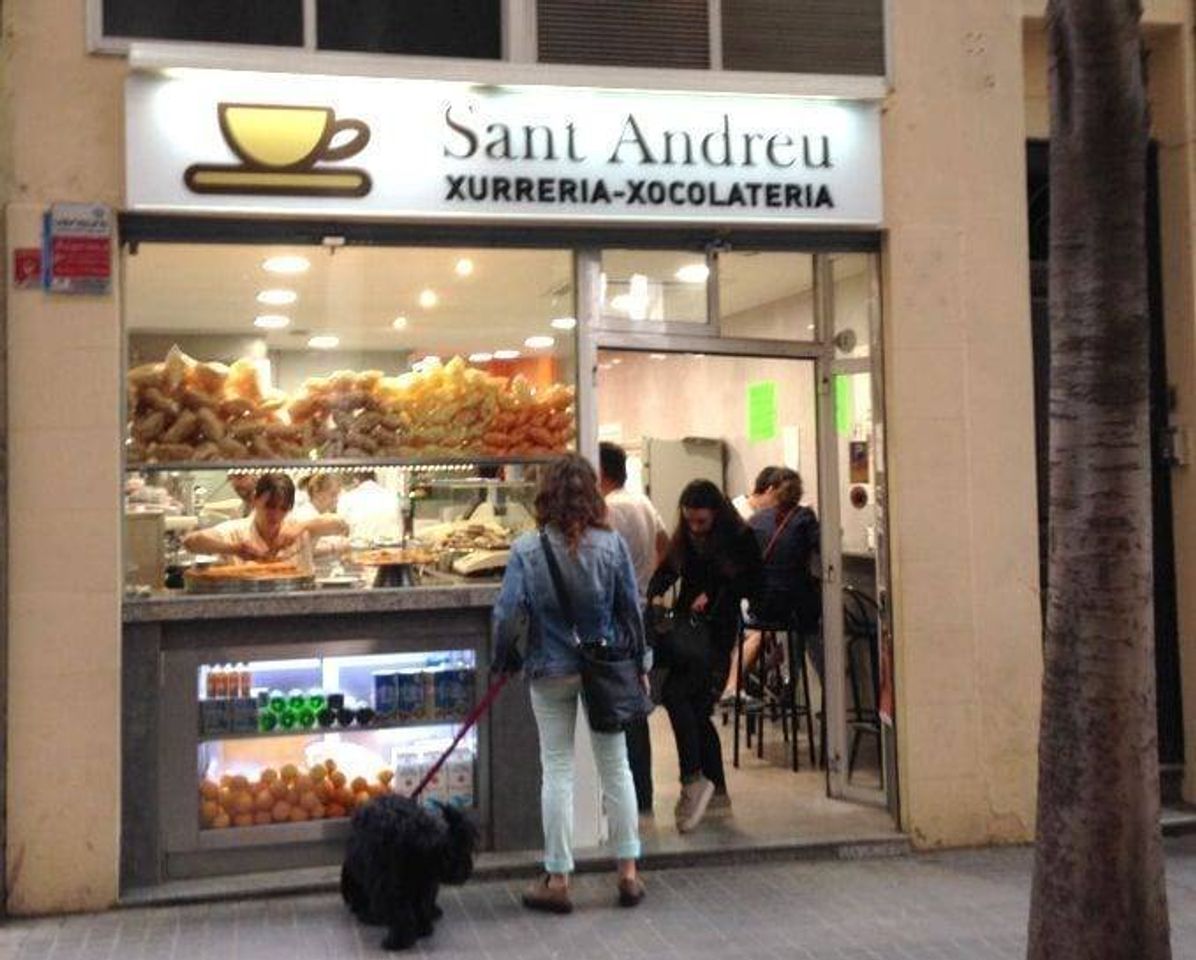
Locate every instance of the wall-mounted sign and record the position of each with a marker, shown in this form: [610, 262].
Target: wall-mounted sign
[27, 268]
[77, 254]
[269, 143]
[762, 411]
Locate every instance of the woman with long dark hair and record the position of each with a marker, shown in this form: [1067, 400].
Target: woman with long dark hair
[596, 569]
[714, 557]
[789, 538]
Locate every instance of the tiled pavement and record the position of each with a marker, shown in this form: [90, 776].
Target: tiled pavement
[963, 906]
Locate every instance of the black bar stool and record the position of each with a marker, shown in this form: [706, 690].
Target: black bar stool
[788, 708]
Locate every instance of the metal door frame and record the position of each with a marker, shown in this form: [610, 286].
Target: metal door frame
[595, 333]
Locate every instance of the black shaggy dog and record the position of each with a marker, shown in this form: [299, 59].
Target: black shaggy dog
[399, 854]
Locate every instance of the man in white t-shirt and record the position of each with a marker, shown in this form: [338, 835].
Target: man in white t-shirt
[635, 519]
[760, 497]
[371, 511]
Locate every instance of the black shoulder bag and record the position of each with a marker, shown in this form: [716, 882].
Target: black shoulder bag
[611, 689]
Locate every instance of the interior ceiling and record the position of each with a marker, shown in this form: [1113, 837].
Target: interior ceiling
[357, 292]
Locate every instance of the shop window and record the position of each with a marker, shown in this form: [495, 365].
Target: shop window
[813, 36]
[653, 286]
[270, 22]
[395, 355]
[642, 33]
[854, 301]
[766, 296]
[448, 28]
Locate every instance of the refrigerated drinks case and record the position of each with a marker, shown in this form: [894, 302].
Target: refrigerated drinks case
[291, 741]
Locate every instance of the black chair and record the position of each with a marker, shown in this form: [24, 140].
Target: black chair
[861, 634]
[785, 703]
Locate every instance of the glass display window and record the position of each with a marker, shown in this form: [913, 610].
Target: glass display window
[291, 741]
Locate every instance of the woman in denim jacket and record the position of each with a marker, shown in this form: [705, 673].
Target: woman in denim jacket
[597, 571]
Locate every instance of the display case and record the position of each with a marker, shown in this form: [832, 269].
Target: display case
[268, 754]
[287, 741]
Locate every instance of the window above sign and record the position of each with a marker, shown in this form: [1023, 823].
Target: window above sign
[450, 28]
[741, 38]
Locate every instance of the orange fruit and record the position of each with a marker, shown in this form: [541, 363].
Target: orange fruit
[309, 800]
[290, 772]
[337, 778]
[359, 784]
[243, 802]
[269, 775]
[263, 818]
[209, 790]
[334, 810]
[281, 811]
[303, 783]
[278, 790]
[264, 799]
[318, 772]
[317, 812]
[330, 764]
[240, 783]
[209, 810]
[362, 796]
[385, 776]
[298, 815]
[243, 820]
[221, 821]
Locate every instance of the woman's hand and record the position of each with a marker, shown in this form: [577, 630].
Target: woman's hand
[248, 552]
[700, 604]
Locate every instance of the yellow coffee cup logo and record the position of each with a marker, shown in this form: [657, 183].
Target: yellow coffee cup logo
[281, 149]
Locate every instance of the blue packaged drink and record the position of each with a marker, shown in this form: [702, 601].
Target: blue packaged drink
[386, 693]
[409, 696]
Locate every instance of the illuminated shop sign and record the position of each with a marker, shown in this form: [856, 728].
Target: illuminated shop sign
[256, 143]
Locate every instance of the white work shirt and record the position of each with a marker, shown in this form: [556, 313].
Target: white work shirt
[236, 532]
[372, 512]
[633, 517]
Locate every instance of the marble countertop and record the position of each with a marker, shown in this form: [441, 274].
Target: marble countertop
[179, 606]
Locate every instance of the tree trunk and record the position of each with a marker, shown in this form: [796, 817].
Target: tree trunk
[1098, 874]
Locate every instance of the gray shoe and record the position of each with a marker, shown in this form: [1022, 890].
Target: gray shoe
[695, 797]
[719, 805]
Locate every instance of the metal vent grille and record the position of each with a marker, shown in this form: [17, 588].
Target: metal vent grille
[804, 36]
[632, 33]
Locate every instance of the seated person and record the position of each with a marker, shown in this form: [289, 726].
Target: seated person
[788, 536]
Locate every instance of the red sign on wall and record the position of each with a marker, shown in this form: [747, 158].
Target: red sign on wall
[78, 252]
[27, 267]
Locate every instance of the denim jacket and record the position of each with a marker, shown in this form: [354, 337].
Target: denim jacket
[601, 583]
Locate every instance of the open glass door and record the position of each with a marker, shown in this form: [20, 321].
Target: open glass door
[858, 680]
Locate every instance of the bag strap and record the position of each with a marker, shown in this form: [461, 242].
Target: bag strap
[563, 597]
[777, 534]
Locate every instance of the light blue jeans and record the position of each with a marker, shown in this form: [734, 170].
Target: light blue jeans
[555, 705]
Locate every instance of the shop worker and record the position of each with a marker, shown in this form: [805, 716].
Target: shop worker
[371, 511]
[634, 518]
[268, 533]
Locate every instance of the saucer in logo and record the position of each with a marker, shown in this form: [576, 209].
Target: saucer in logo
[281, 149]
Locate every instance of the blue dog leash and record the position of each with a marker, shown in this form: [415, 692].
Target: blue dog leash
[474, 716]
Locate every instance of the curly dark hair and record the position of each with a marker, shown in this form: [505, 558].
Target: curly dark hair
[568, 499]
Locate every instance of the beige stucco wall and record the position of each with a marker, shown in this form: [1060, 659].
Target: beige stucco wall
[960, 424]
[64, 355]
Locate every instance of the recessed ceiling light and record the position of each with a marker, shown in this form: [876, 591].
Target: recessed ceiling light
[615, 361]
[399, 323]
[658, 356]
[506, 354]
[539, 343]
[428, 299]
[324, 341]
[286, 264]
[693, 273]
[605, 366]
[564, 323]
[271, 321]
[481, 357]
[278, 297]
[464, 267]
[431, 360]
